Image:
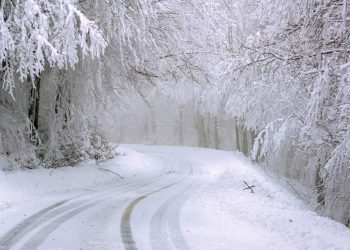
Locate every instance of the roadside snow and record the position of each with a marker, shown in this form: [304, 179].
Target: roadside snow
[16, 186]
[219, 215]
[24, 192]
[224, 216]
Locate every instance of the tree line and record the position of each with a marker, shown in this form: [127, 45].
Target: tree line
[268, 78]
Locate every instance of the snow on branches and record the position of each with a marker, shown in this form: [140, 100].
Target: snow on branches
[39, 32]
[298, 54]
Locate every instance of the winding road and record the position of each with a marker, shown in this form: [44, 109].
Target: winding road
[170, 198]
[137, 214]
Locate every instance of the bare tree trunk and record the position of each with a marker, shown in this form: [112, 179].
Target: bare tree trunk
[181, 128]
[319, 185]
[237, 136]
[201, 130]
[216, 133]
[33, 112]
[245, 148]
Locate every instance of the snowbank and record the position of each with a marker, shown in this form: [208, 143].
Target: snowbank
[19, 187]
[223, 215]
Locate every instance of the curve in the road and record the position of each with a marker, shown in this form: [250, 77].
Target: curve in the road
[12, 236]
[125, 227]
[42, 235]
[165, 222]
[57, 209]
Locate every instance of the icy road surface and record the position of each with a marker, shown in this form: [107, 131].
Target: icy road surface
[169, 198]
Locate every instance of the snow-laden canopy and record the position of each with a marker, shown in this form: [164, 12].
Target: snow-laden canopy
[269, 78]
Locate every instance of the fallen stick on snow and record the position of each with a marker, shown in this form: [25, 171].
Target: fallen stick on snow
[107, 170]
[249, 187]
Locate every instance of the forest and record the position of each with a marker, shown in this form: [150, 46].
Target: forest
[269, 78]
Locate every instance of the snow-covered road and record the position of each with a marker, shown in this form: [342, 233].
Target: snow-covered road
[169, 198]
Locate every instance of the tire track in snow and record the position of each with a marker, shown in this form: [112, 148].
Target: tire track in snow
[12, 236]
[42, 235]
[125, 227]
[165, 223]
[57, 209]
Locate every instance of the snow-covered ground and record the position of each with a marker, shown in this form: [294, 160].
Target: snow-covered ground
[167, 198]
[273, 217]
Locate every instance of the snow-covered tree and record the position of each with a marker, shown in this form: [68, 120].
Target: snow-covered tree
[290, 73]
[36, 33]
[36, 37]
[269, 78]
